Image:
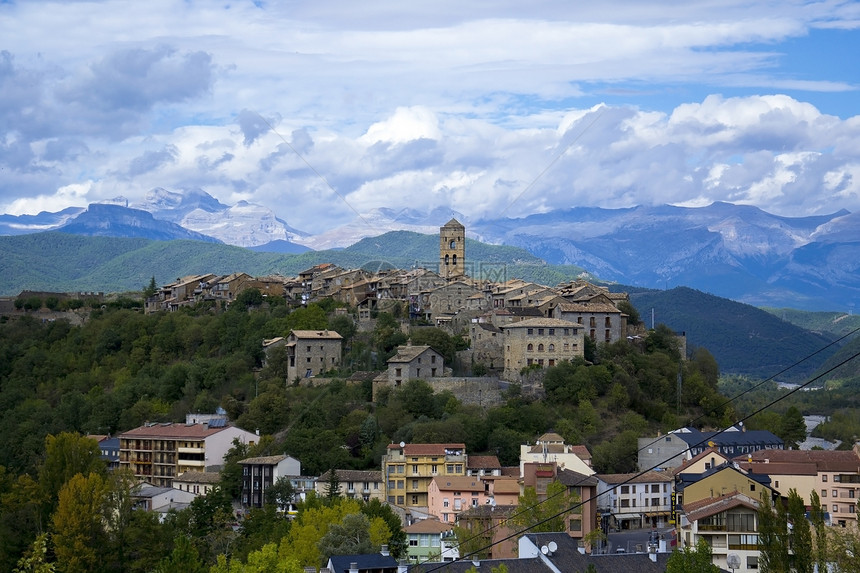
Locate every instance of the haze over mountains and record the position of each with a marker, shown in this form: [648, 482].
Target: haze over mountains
[733, 251]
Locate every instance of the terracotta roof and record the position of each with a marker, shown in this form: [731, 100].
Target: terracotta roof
[581, 451]
[483, 462]
[781, 468]
[511, 471]
[459, 483]
[170, 430]
[826, 460]
[427, 449]
[506, 485]
[713, 505]
[551, 437]
[428, 526]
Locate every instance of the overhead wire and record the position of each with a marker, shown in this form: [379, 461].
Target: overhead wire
[659, 464]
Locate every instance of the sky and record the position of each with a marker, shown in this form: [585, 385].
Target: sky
[323, 110]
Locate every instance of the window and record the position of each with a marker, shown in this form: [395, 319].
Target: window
[400, 484]
[824, 478]
[576, 524]
[445, 502]
[530, 331]
[530, 347]
[540, 331]
[752, 562]
[552, 347]
[413, 541]
[414, 500]
[823, 493]
[399, 500]
[835, 508]
[551, 332]
[415, 484]
[835, 493]
[414, 468]
[540, 347]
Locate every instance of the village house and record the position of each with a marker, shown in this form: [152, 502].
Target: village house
[582, 518]
[550, 447]
[260, 473]
[720, 506]
[354, 484]
[182, 292]
[430, 541]
[419, 362]
[637, 500]
[312, 352]
[196, 482]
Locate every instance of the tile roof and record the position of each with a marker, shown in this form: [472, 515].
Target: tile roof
[459, 483]
[264, 460]
[198, 477]
[713, 505]
[170, 430]
[353, 475]
[408, 353]
[428, 526]
[826, 460]
[483, 462]
[428, 449]
[318, 334]
[542, 322]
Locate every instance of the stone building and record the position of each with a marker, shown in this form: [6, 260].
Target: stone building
[540, 341]
[312, 352]
[452, 249]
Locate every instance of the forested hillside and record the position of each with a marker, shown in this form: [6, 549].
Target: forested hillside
[742, 338]
[122, 368]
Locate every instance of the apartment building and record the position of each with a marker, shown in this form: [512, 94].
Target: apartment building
[353, 484]
[260, 473]
[408, 470]
[159, 452]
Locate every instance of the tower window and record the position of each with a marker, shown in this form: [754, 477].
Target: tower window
[453, 245]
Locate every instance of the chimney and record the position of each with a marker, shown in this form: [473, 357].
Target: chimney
[353, 567]
[403, 566]
[384, 551]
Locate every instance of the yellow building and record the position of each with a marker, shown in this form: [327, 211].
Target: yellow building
[408, 470]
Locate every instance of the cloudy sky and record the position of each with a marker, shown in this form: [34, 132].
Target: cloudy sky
[324, 109]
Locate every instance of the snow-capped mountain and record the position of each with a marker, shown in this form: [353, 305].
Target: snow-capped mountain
[244, 224]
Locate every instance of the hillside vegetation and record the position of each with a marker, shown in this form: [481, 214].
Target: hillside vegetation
[121, 368]
[742, 338]
[68, 263]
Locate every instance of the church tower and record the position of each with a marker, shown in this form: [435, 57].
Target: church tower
[452, 249]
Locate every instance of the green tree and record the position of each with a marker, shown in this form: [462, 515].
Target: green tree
[150, 289]
[332, 486]
[816, 515]
[349, 537]
[792, 427]
[36, 560]
[280, 493]
[800, 534]
[80, 539]
[690, 560]
[773, 537]
[544, 514]
[66, 455]
[183, 559]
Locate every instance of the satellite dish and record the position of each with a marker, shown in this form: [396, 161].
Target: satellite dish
[544, 550]
[733, 560]
[402, 444]
[552, 546]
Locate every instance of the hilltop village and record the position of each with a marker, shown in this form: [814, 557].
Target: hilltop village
[509, 325]
[545, 502]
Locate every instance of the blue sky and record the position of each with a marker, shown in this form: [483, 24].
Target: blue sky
[319, 110]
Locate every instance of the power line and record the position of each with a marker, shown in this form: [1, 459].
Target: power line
[689, 449]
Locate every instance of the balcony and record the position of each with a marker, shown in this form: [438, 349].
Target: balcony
[184, 450]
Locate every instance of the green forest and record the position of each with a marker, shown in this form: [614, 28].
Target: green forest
[121, 368]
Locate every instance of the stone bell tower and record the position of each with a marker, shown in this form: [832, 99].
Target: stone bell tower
[452, 249]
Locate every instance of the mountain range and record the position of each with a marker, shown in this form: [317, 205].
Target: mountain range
[733, 251]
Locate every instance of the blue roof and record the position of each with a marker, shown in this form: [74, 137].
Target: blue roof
[375, 561]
